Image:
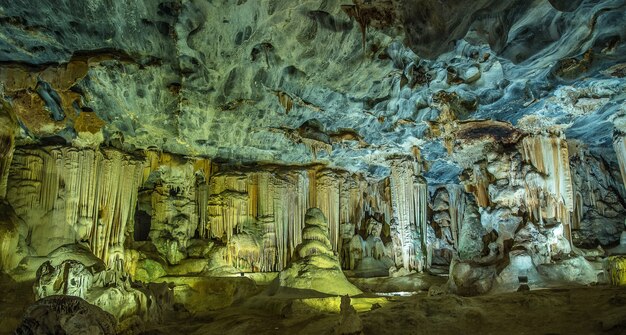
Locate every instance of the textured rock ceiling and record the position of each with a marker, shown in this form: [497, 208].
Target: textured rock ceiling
[283, 81]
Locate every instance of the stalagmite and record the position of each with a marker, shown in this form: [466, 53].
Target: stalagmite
[174, 203]
[616, 268]
[270, 205]
[315, 266]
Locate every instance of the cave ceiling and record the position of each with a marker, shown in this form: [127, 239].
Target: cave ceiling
[348, 84]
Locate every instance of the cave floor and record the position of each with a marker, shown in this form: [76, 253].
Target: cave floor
[567, 310]
[572, 310]
[15, 298]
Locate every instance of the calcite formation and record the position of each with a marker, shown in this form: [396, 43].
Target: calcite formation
[189, 142]
[409, 227]
[316, 267]
[8, 129]
[68, 195]
[107, 288]
[549, 191]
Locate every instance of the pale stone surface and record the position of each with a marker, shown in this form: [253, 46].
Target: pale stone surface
[317, 268]
[185, 140]
[108, 289]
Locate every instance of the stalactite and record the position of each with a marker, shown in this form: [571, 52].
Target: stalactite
[480, 185]
[316, 146]
[378, 200]
[578, 211]
[8, 128]
[351, 212]
[549, 192]
[408, 197]
[265, 212]
[202, 170]
[95, 192]
[118, 183]
[352, 202]
[456, 208]
[420, 203]
[290, 204]
[202, 200]
[6, 155]
[327, 200]
[229, 204]
[620, 149]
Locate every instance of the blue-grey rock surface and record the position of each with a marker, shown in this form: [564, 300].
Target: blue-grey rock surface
[235, 80]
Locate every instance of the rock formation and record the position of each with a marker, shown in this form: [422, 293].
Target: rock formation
[349, 322]
[316, 267]
[109, 289]
[186, 141]
[66, 314]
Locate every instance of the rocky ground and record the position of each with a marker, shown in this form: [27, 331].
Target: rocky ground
[567, 310]
[572, 310]
[14, 300]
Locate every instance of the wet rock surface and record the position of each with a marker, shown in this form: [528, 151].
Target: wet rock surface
[150, 151]
[155, 74]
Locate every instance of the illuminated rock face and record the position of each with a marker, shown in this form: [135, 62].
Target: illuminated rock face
[316, 268]
[409, 227]
[204, 217]
[548, 190]
[335, 82]
[12, 241]
[67, 195]
[108, 289]
[191, 138]
[8, 128]
[69, 278]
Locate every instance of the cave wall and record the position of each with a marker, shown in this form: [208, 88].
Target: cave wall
[483, 136]
[537, 194]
